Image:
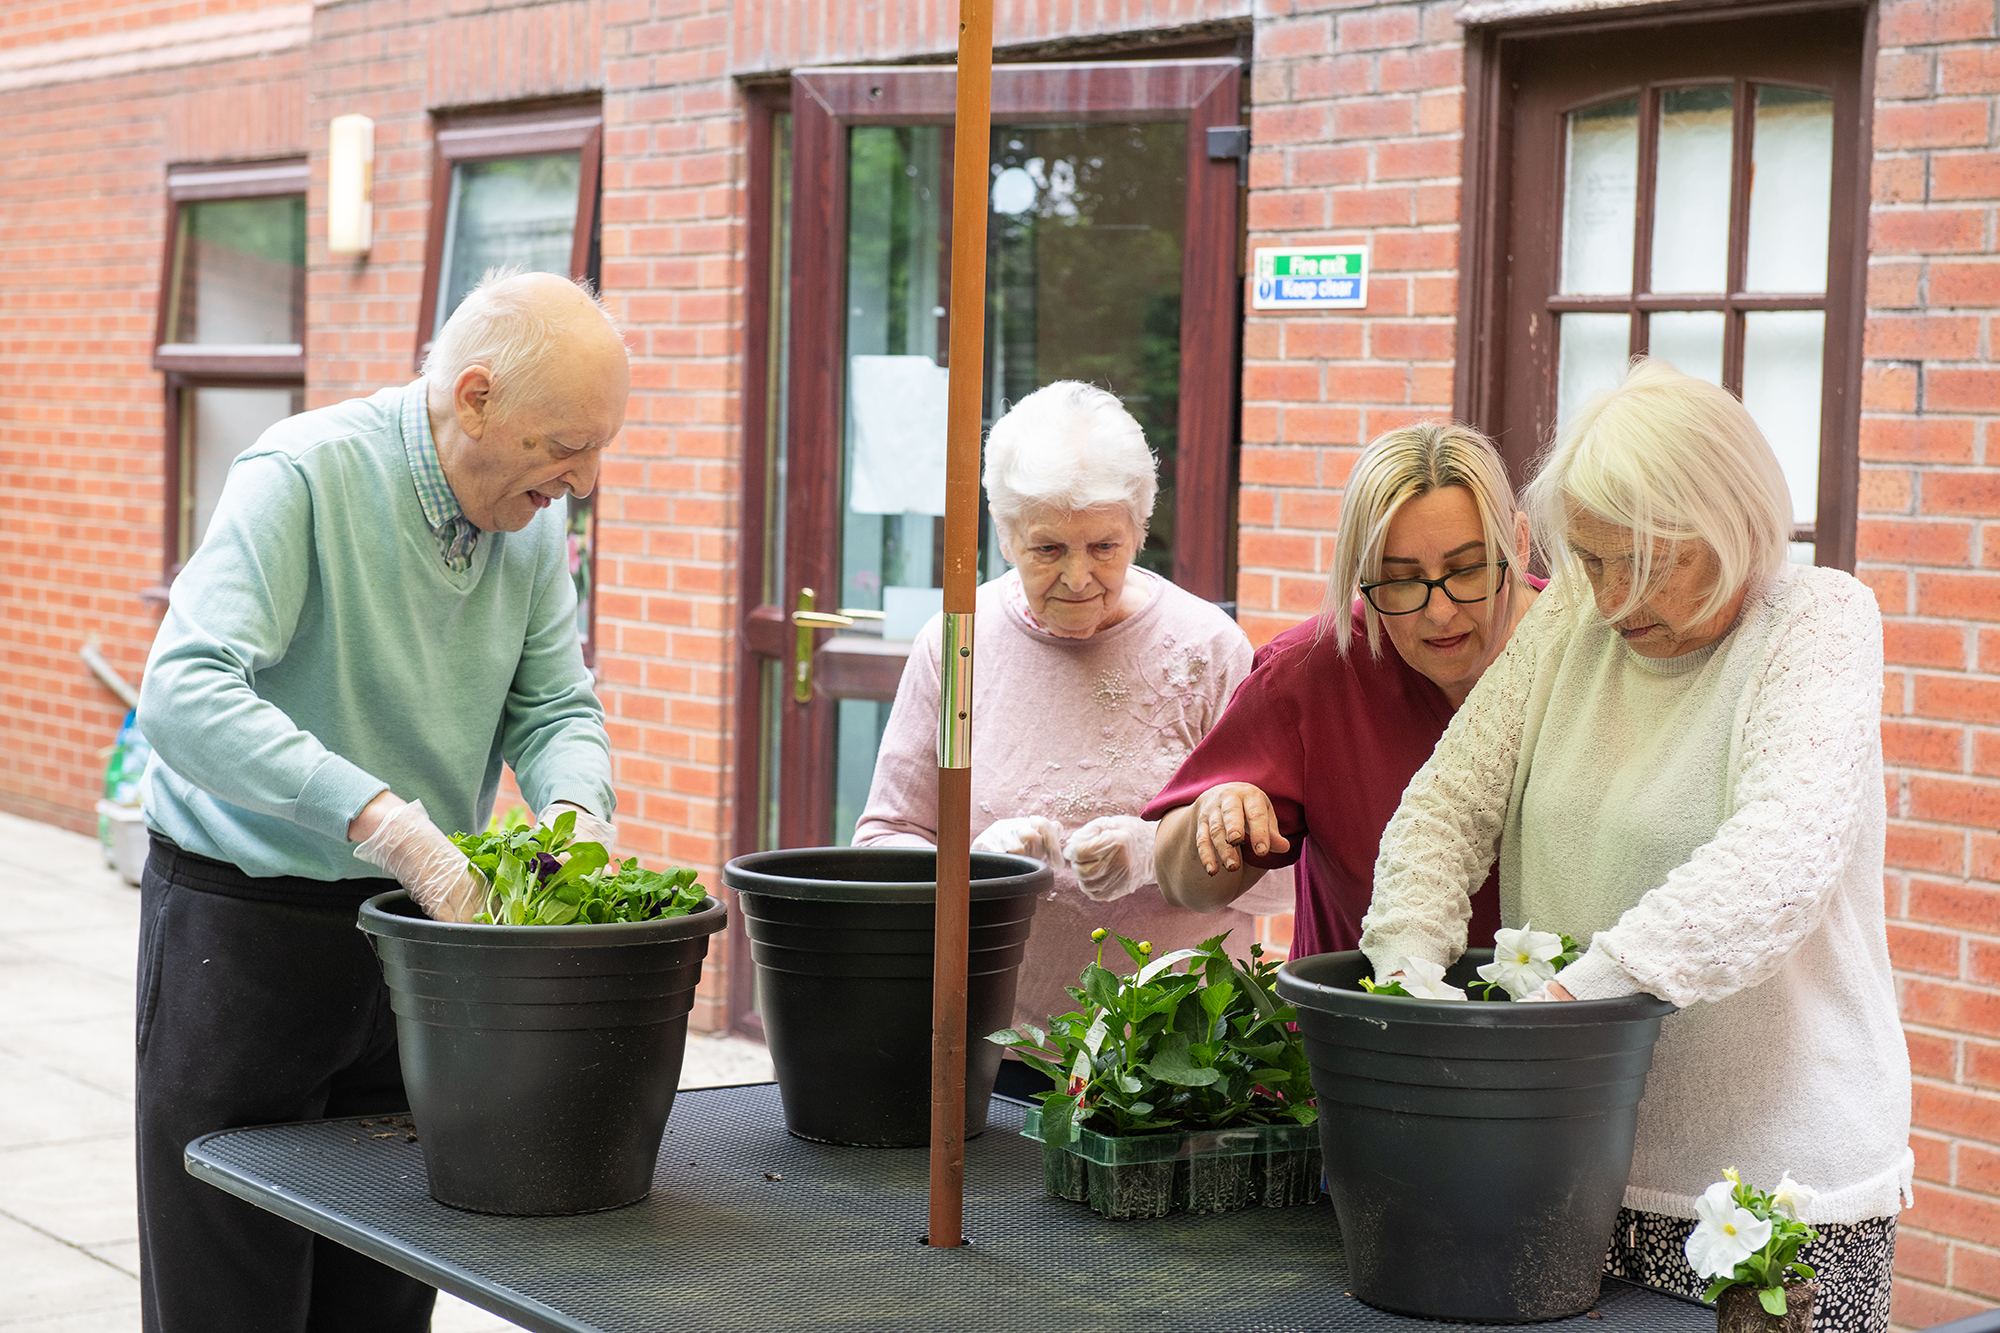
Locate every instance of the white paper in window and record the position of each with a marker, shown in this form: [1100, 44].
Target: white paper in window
[1601, 199]
[897, 404]
[1791, 191]
[1688, 340]
[1595, 350]
[1691, 191]
[1782, 354]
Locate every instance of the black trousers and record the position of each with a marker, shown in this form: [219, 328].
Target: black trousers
[259, 1002]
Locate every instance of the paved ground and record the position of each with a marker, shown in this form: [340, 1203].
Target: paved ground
[69, 1257]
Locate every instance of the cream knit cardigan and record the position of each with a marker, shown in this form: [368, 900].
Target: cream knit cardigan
[1712, 825]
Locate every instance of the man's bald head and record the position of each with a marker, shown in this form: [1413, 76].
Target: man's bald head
[530, 332]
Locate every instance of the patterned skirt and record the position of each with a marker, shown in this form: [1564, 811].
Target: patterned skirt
[1852, 1260]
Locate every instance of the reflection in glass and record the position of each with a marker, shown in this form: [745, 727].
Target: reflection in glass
[240, 272]
[1691, 191]
[582, 542]
[1791, 191]
[1690, 340]
[778, 361]
[1600, 200]
[858, 727]
[1594, 351]
[1084, 277]
[1782, 356]
[517, 212]
[893, 462]
[216, 426]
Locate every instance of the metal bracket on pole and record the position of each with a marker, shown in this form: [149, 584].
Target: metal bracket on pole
[955, 710]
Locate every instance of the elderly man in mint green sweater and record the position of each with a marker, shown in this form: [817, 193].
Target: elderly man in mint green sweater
[380, 615]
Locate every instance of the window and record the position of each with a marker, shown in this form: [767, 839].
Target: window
[517, 190]
[1687, 191]
[231, 328]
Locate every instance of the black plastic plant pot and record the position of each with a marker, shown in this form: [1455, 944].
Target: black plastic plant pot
[1477, 1153]
[843, 939]
[540, 1061]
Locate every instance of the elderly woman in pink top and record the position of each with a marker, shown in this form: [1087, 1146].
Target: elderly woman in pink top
[1093, 679]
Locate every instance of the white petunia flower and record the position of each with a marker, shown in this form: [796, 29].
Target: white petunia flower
[1522, 959]
[1425, 981]
[1790, 1196]
[1726, 1235]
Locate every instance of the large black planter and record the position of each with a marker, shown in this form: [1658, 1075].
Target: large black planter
[843, 938]
[1476, 1153]
[540, 1061]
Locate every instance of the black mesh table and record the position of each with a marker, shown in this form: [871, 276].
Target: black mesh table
[750, 1229]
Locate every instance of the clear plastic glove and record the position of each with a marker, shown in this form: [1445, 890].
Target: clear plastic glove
[1111, 856]
[424, 861]
[589, 828]
[1026, 835]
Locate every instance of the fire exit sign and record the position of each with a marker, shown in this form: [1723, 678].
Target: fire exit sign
[1332, 277]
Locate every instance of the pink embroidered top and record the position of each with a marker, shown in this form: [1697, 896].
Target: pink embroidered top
[1071, 730]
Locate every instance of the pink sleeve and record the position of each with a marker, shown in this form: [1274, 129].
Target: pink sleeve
[902, 798]
[1255, 741]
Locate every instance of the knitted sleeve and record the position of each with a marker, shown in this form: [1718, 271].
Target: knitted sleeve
[1730, 916]
[1443, 837]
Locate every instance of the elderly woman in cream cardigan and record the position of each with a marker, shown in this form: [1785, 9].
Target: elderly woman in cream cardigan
[1092, 680]
[1679, 762]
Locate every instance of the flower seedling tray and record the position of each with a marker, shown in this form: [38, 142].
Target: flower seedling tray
[1202, 1171]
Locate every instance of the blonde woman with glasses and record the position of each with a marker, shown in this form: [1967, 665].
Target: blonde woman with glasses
[1679, 762]
[1318, 744]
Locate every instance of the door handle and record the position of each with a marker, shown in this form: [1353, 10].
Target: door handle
[806, 620]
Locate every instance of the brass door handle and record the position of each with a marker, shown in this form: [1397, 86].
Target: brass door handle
[821, 619]
[806, 620]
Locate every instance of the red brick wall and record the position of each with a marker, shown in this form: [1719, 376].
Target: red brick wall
[1929, 545]
[82, 222]
[1355, 134]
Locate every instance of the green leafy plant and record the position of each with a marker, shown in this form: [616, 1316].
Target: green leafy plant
[1158, 1051]
[538, 877]
[1747, 1238]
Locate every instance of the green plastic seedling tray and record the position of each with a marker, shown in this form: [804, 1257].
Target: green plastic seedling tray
[1200, 1171]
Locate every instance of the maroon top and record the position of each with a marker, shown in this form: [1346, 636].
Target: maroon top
[1332, 741]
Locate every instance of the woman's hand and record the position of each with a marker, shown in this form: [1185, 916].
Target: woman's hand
[1228, 816]
[1111, 856]
[1023, 835]
[1198, 850]
[1551, 990]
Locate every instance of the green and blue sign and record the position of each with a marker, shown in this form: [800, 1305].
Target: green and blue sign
[1326, 277]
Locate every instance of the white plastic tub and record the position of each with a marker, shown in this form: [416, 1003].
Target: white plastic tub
[128, 838]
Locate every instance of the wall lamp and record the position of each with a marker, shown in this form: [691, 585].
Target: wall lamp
[350, 185]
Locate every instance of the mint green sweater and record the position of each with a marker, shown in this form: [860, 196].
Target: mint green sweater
[317, 651]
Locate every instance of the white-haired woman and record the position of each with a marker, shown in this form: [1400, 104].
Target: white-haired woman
[1308, 763]
[1679, 759]
[1092, 679]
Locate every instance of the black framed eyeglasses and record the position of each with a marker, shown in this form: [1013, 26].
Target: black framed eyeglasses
[1402, 597]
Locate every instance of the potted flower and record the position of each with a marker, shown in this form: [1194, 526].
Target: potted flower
[1748, 1242]
[1185, 1089]
[541, 1044]
[1496, 1136]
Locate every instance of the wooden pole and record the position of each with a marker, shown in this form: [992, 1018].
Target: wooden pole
[961, 581]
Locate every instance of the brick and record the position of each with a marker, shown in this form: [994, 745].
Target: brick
[1957, 389]
[1895, 284]
[1961, 596]
[1389, 26]
[1931, 951]
[1931, 125]
[1922, 22]
[1918, 847]
[1961, 1112]
[1922, 337]
[1899, 541]
[1887, 490]
[1281, 383]
[1975, 494]
[1417, 158]
[1903, 75]
[1982, 1066]
[1914, 1305]
[1965, 175]
[1899, 180]
[1978, 1169]
[1324, 338]
[1898, 439]
[1279, 467]
[1964, 283]
[1288, 39]
[1922, 643]
[1969, 70]
[1908, 231]
[1912, 745]
[1957, 906]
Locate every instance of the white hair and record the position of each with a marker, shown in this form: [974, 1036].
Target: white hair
[1672, 459]
[513, 332]
[1399, 466]
[1065, 448]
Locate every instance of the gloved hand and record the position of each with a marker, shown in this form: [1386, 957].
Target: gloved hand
[589, 828]
[1026, 835]
[1111, 856]
[425, 862]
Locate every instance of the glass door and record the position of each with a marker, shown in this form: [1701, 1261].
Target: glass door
[1112, 258]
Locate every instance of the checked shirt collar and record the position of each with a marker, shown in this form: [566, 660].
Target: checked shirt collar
[456, 537]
